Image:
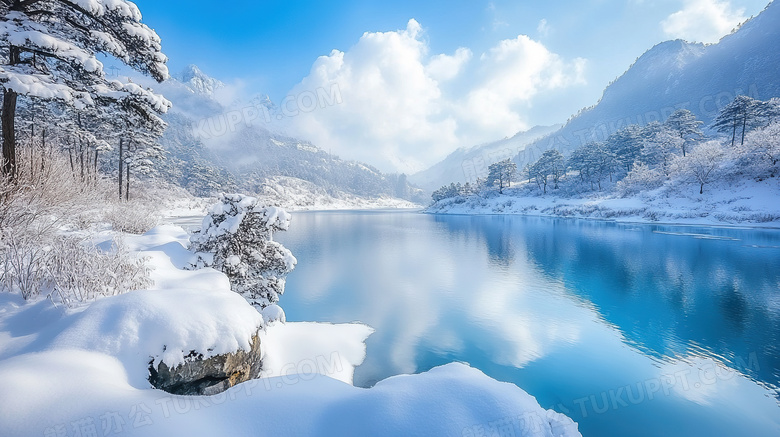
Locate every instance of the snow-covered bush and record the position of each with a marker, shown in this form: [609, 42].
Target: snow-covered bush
[762, 150]
[68, 270]
[134, 217]
[702, 165]
[640, 178]
[78, 272]
[237, 239]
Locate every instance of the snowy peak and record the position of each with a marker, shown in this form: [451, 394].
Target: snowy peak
[199, 82]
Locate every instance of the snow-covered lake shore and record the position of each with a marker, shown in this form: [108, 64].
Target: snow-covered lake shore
[749, 204]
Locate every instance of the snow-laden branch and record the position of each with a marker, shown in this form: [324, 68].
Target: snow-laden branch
[20, 31]
[42, 86]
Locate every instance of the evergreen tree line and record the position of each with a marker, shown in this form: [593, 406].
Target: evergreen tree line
[640, 157]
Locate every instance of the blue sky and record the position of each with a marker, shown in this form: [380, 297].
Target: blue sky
[271, 46]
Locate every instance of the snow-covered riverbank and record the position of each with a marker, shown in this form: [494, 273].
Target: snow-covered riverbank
[748, 203]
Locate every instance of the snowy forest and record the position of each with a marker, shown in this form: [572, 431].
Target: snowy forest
[670, 157]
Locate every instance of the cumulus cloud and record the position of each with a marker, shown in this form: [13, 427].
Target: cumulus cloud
[512, 74]
[445, 67]
[403, 109]
[703, 20]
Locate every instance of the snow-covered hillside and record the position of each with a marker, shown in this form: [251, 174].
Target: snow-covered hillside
[468, 164]
[679, 75]
[299, 195]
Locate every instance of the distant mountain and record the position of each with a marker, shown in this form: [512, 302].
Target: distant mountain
[678, 74]
[215, 148]
[199, 82]
[467, 164]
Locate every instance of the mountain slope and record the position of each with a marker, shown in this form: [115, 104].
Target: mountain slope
[677, 74]
[467, 164]
[212, 147]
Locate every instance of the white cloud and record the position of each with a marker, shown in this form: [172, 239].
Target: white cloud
[445, 67]
[512, 74]
[396, 111]
[703, 20]
[543, 29]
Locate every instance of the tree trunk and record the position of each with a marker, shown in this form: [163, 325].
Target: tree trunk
[43, 152]
[81, 158]
[121, 163]
[70, 155]
[94, 167]
[127, 181]
[701, 189]
[9, 134]
[744, 126]
[8, 118]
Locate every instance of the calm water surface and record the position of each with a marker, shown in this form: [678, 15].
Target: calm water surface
[631, 330]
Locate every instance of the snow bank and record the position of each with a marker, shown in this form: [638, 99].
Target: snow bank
[162, 325]
[746, 202]
[314, 348]
[295, 194]
[73, 392]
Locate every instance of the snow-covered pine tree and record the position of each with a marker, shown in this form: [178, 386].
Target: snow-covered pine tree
[550, 165]
[501, 173]
[626, 145]
[49, 49]
[685, 124]
[659, 150]
[237, 238]
[139, 129]
[743, 113]
[601, 161]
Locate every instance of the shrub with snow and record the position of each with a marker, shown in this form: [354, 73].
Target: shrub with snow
[640, 178]
[237, 239]
[134, 217]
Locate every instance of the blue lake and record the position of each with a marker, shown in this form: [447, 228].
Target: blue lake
[631, 330]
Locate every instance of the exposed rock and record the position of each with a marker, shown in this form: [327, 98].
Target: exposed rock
[198, 376]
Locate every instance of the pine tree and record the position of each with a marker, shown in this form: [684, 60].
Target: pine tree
[743, 113]
[626, 145]
[501, 173]
[685, 124]
[659, 150]
[237, 239]
[550, 165]
[51, 47]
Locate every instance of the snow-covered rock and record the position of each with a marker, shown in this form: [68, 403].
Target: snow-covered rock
[208, 376]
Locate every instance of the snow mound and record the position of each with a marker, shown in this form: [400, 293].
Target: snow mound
[165, 325]
[314, 348]
[88, 391]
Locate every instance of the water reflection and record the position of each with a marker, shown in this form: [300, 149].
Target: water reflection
[567, 309]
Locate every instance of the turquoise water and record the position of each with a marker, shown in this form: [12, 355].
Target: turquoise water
[639, 330]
